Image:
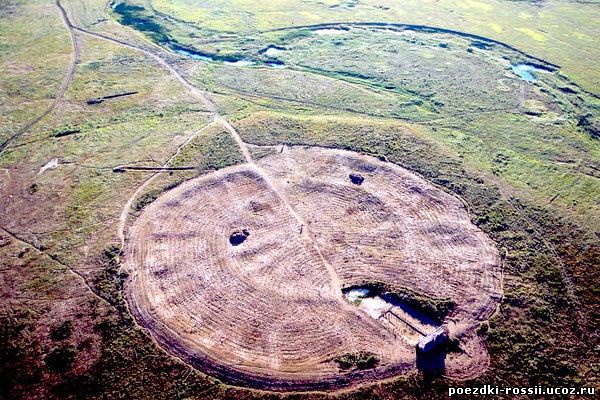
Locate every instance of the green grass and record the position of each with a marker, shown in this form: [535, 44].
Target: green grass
[306, 90]
[211, 150]
[33, 58]
[561, 32]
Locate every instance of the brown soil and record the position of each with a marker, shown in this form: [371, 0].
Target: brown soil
[269, 311]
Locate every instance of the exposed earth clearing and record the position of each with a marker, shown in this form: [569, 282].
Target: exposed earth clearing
[224, 275]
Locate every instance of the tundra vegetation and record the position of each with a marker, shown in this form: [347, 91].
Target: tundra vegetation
[428, 86]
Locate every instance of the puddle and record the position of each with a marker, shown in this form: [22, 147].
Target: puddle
[527, 71]
[374, 306]
[239, 63]
[206, 57]
[239, 237]
[395, 316]
[195, 56]
[273, 51]
[357, 179]
[329, 31]
[357, 293]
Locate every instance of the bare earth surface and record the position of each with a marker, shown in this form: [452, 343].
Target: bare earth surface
[269, 312]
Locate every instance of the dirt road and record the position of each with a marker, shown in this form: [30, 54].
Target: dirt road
[63, 87]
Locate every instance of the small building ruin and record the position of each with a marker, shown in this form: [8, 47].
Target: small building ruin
[433, 340]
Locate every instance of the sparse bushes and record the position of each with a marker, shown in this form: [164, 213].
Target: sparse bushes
[151, 195]
[361, 360]
[492, 220]
[110, 282]
[146, 199]
[17, 349]
[589, 124]
[65, 130]
[293, 35]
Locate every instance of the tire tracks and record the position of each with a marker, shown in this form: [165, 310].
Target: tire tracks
[63, 87]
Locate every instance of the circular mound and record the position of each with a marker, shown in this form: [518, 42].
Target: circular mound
[241, 271]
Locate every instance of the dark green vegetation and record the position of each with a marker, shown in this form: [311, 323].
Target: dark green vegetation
[361, 360]
[524, 157]
[137, 17]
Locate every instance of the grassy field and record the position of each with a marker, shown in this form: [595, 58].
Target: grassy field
[524, 135]
[524, 156]
[561, 32]
[33, 60]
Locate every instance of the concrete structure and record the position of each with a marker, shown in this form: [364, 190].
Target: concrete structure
[433, 340]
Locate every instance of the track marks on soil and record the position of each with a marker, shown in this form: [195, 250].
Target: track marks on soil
[268, 312]
[63, 88]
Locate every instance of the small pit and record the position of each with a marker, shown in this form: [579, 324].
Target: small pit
[239, 237]
[357, 179]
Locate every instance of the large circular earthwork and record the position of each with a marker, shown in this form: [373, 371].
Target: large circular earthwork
[265, 308]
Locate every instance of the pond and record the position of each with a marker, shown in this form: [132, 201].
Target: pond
[356, 293]
[273, 51]
[394, 315]
[195, 56]
[234, 63]
[527, 71]
[240, 63]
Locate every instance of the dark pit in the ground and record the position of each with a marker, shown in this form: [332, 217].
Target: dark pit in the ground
[356, 179]
[238, 237]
